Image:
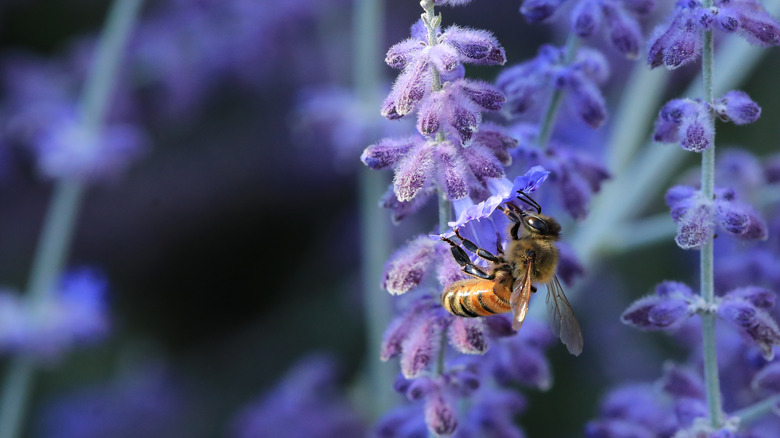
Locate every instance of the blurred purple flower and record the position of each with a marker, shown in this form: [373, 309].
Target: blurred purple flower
[66, 150]
[576, 175]
[146, 404]
[306, 402]
[587, 16]
[634, 410]
[524, 83]
[74, 314]
[678, 42]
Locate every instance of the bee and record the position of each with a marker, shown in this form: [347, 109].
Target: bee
[530, 258]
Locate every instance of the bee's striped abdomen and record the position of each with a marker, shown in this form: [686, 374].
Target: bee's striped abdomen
[474, 297]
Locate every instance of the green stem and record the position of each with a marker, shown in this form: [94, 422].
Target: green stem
[551, 113]
[374, 223]
[707, 256]
[63, 209]
[757, 410]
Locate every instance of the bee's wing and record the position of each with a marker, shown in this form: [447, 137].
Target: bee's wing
[564, 323]
[521, 293]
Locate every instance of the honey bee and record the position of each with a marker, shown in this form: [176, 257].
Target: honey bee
[531, 257]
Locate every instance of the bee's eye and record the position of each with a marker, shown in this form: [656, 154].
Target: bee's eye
[537, 224]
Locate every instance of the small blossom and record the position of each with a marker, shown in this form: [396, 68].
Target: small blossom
[73, 314]
[150, 402]
[451, 2]
[65, 149]
[754, 322]
[419, 349]
[575, 175]
[580, 78]
[585, 18]
[737, 107]
[407, 267]
[521, 358]
[400, 328]
[388, 152]
[679, 381]
[504, 191]
[537, 11]
[662, 311]
[696, 217]
[309, 389]
[677, 43]
[768, 378]
[468, 335]
[624, 31]
[440, 413]
[635, 410]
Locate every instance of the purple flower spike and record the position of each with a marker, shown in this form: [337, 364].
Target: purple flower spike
[755, 322]
[467, 335]
[585, 18]
[768, 378]
[736, 106]
[408, 266]
[537, 11]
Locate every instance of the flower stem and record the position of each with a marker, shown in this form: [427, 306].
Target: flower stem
[63, 209]
[757, 410]
[374, 223]
[551, 113]
[706, 257]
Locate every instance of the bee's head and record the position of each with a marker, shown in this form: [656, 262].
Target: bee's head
[537, 224]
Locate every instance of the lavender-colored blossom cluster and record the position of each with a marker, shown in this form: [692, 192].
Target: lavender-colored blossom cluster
[186, 149]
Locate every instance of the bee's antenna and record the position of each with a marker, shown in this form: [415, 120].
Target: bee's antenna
[528, 200]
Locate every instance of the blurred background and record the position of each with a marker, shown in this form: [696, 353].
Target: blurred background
[232, 245]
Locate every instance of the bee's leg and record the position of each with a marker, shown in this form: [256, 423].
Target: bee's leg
[471, 246]
[499, 249]
[463, 260]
